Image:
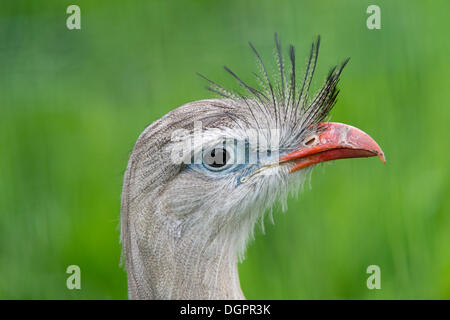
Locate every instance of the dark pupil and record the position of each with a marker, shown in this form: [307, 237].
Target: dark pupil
[217, 158]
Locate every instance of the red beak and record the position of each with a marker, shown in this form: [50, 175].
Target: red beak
[335, 141]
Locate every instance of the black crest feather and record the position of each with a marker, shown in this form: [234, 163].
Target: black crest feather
[286, 102]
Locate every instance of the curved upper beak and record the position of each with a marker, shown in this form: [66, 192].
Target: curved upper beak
[335, 141]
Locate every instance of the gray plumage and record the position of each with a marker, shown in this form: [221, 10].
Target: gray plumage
[183, 229]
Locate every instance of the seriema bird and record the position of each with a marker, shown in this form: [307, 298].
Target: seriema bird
[199, 178]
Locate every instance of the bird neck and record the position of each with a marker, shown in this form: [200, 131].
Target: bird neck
[171, 265]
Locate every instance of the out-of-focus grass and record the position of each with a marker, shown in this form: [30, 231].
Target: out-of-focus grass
[72, 103]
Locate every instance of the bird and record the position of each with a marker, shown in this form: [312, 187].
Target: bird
[201, 177]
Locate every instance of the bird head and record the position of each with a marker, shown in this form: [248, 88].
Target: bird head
[200, 178]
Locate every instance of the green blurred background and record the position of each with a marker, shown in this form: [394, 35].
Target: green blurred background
[72, 104]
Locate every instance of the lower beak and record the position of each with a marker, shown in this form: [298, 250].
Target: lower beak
[335, 141]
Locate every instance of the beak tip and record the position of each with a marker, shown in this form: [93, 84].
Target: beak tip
[382, 157]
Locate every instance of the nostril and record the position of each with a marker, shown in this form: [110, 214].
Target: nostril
[312, 140]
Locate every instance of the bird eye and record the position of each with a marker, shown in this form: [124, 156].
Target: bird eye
[217, 159]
